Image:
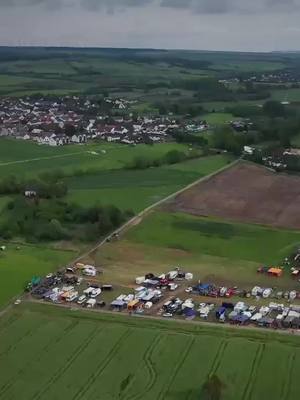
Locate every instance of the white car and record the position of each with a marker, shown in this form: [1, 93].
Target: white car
[95, 292]
[189, 290]
[167, 315]
[82, 299]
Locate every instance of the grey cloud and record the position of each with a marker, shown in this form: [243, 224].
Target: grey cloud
[112, 5]
[49, 4]
[201, 6]
[195, 6]
[233, 6]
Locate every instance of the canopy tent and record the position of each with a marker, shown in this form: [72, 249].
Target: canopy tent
[275, 271]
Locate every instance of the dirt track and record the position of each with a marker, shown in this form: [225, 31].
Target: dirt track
[246, 193]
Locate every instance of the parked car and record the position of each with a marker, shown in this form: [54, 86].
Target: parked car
[82, 299]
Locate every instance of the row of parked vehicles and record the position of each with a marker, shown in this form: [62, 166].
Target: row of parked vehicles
[274, 315]
[211, 290]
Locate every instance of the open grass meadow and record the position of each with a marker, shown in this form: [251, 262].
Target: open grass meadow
[49, 353]
[215, 237]
[213, 250]
[63, 71]
[138, 189]
[19, 263]
[29, 159]
[218, 118]
[290, 94]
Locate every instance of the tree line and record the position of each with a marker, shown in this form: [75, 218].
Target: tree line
[53, 219]
[171, 157]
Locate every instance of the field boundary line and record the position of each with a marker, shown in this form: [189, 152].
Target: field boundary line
[228, 330]
[254, 372]
[4, 388]
[41, 158]
[252, 369]
[102, 366]
[287, 387]
[178, 366]
[150, 367]
[60, 371]
[218, 357]
[141, 215]
[27, 334]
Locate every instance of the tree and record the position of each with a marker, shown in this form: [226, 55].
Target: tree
[70, 130]
[225, 138]
[212, 388]
[273, 108]
[174, 157]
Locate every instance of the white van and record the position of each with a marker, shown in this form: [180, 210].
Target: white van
[82, 299]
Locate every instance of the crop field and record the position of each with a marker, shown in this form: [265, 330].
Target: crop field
[249, 66]
[63, 76]
[246, 193]
[137, 189]
[291, 95]
[19, 263]
[45, 352]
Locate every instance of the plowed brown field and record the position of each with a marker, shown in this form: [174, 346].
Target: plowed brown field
[246, 193]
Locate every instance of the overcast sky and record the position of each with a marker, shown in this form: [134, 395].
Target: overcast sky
[249, 25]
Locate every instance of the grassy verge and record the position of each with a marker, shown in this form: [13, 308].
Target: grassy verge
[19, 263]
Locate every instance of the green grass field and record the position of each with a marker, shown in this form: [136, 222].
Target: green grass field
[291, 95]
[50, 353]
[218, 118]
[249, 66]
[27, 158]
[19, 263]
[137, 189]
[214, 250]
[215, 237]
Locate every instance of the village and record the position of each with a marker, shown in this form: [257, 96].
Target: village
[76, 120]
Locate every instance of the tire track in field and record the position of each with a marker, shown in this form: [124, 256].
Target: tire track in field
[8, 385]
[254, 364]
[27, 334]
[164, 390]
[253, 372]
[101, 367]
[9, 322]
[287, 381]
[218, 357]
[61, 371]
[150, 366]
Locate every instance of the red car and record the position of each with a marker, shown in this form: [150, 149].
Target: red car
[230, 292]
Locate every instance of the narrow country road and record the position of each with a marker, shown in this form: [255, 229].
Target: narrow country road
[132, 222]
[42, 158]
[139, 217]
